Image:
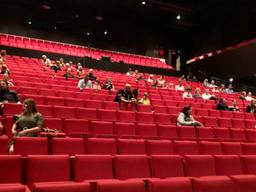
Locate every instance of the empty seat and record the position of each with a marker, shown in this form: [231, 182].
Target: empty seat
[205, 133]
[238, 115]
[228, 165]
[10, 169]
[164, 166]
[110, 105]
[238, 123]
[131, 166]
[86, 113]
[249, 148]
[125, 129]
[101, 146]
[227, 114]
[210, 148]
[167, 131]
[107, 115]
[65, 94]
[160, 109]
[92, 167]
[30, 145]
[45, 110]
[126, 116]
[186, 131]
[75, 127]
[185, 147]
[202, 112]
[56, 101]
[64, 112]
[144, 108]
[144, 117]
[225, 122]
[248, 164]
[117, 186]
[222, 133]
[10, 109]
[37, 98]
[244, 182]
[13, 188]
[162, 118]
[131, 146]
[61, 187]
[102, 128]
[251, 134]
[4, 144]
[210, 122]
[231, 148]
[146, 130]
[73, 102]
[213, 113]
[53, 123]
[27, 90]
[47, 168]
[250, 124]
[171, 185]
[159, 147]
[93, 104]
[199, 165]
[238, 134]
[70, 146]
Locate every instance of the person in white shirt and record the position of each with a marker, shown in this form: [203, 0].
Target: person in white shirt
[161, 82]
[84, 83]
[212, 84]
[249, 96]
[187, 93]
[150, 78]
[185, 118]
[179, 87]
[46, 61]
[206, 95]
[205, 83]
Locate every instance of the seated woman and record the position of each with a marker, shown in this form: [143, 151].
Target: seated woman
[234, 106]
[8, 80]
[222, 105]
[28, 123]
[197, 94]
[185, 118]
[161, 82]
[80, 72]
[187, 93]
[249, 97]
[108, 85]
[145, 100]
[179, 87]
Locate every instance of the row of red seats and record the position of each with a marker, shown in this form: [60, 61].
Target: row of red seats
[226, 173]
[72, 146]
[80, 51]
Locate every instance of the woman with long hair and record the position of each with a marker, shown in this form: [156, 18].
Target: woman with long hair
[28, 123]
[185, 118]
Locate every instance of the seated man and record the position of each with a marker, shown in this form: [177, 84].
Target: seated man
[7, 95]
[234, 106]
[91, 76]
[68, 74]
[252, 107]
[179, 87]
[187, 93]
[125, 97]
[222, 105]
[207, 96]
[84, 83]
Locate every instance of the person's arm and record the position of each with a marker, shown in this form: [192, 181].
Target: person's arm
[80, 84]
[40, 124]
[14, 126]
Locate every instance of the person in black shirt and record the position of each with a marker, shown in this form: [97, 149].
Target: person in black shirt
[252, 107]
[125, 97]
[91, 76]
[222, 105]
[108, 85]
[7, 95]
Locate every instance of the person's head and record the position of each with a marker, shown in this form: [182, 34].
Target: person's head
[109, 80]
[90, 71]
[212, 82]
[249, 94]
[61, 60]
[253, 103]
[197, 91]
[145, 95]
[151, 76]
[29, 106]
[222, 86]
[206, 81]
[3, 85]
[79, 64]
[44, 57]
[234, 102]
[86, 78]
[127, 87]
[187, 110]
[3, 53]
[136, 71]
[188, 89]
[243, 93]
[161, 77]
[70, 62]
[222, 100]
[80, 68]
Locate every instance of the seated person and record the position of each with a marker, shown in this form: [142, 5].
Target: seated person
[222, 105]
[207, 96]
[179, 87]
[212, 84]
[84, 83]
[29, 123]
[125, 96]
[62, 63]
[96, 85]
[187, 93]
[56, 66]
[205, 83]
[145, 100]
[161, 82]
[234, 106]
[197, 94]
[222, 88]
[7, 80]
[46, 61]
[108, 85]
[249, 96]
[242, 95]
[230, 89]
[68, 74]
[91, 76]
[7, 95]
[139, 77]
[79, 72]
[129, 72]
[5, 70]
[150, 78]
[185, 118]
[154, 83]
[252, 107]
[170, 86]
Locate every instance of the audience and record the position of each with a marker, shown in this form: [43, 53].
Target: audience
[187, 93]
[230, 89]
[205, 83]
[234, 106]
[179, 87]
[252, 107]
[212, 84]
[150, 78]
[222, 88]
[29, 123]
[125, 96]
[129, 72]
[206, 95]
[221, 105]
[7, 80]
[145, 100]
[5, 70]
[46, 61]
[80, 72]
[249, 97]
[185, 118]
[84, 83]
[108, 85]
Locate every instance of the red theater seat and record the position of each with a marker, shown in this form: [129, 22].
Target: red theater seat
[45, 110]
[4, 144]
[186, 132]
[231, 148]
[225, 122]
[125, 129]
[93, 167]
[167, 131]
[144, 117]
[101, 146]
[238, 123]
[56, 101]
[131, 146]
[53, 123]
[73, 102]
[210, 122]
[10, 109]
[74, 127]
[30, 145]
[185, 147]
[61, 187]
[107, 115]
[124, 186]
[162, 118]
[205, 133]
[238, 134]
[248, 164]
[164, 166]
[210, 148]
[126, 168]
[146, 130]
[222, 133]
[86, 113]
[159, 147]
[102, 128]
[70, 146]
[249, 148]
[10, 169]
[64, 112]
[12, 188]
[126, 116]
